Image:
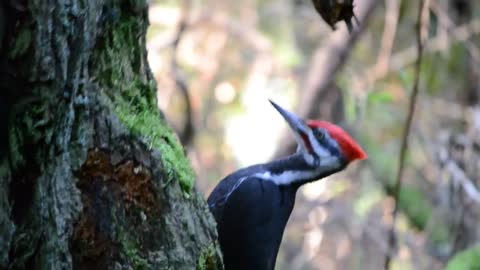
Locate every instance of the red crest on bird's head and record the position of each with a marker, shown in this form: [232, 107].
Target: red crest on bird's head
[349, 147]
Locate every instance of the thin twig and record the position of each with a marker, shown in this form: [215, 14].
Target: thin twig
[382, 65]
[408, 56]
[187, 133]
[421, 33]
[248, 35]
[388, 37]
[459, 176]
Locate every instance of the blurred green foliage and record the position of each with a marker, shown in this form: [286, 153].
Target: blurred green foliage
[466, 260]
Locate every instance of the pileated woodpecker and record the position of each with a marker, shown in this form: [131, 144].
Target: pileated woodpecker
[252, 205]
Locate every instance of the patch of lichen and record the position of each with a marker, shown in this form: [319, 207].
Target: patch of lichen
[16, 142]
[466, 260]
[21, 42]
[131, 251]
[30, 124]
[207, 259]
[122, 71]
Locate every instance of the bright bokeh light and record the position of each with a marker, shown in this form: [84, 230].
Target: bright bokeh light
[225, 92]
[253, 136]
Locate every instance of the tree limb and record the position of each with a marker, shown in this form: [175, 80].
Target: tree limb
[407, 56]
[422, 27]
[188, 131]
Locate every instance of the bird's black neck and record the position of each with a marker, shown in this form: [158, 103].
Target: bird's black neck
[295, 162]
[293, 170]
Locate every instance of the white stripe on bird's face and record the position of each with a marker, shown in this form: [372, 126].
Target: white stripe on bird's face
[285, 178]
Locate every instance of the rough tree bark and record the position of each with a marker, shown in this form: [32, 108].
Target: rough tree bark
[91, 176]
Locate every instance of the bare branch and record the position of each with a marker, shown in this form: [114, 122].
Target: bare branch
[246, 34]
[400, 60]
[187, 133]
[389, 32]
[459, 176]
[422, 27]
[447, 23]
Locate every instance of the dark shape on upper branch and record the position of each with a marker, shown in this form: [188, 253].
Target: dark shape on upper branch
[333, 11]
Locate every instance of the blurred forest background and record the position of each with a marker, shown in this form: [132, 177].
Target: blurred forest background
[217, 62]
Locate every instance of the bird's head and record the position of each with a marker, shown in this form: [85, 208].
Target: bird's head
[322, 144]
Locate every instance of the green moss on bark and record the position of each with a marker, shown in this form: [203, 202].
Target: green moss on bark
[21, 43]
[87, 71]
[130, 249]
[207, 259]
[30, 125]
[122, 67]
[158, 135]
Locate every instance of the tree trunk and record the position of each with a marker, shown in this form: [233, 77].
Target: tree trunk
[91, 176]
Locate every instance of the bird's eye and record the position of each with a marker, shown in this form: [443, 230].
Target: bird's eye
[319, 133]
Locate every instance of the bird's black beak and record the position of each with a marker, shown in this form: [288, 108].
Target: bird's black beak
[300, 128]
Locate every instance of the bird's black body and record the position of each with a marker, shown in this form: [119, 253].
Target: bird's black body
[252, 212]
[251, 235]
[252, 205]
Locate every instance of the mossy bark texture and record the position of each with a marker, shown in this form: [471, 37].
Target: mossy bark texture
[91, 176]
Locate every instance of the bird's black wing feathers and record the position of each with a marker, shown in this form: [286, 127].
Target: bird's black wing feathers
[217, 198]
[251, 220]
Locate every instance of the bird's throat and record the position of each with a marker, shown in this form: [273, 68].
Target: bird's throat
[296, 171]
